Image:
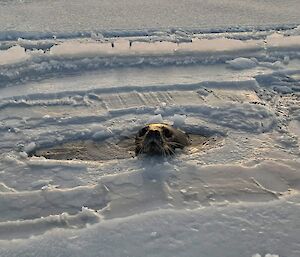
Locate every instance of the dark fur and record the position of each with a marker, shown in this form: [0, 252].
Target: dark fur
[160, 139]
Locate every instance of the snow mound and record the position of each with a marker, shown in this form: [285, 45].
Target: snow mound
[21, 229]
[241, 63]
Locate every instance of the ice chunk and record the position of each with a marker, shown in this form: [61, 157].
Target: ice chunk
[30, 147]
[40, 183]
[242, 63]
[203, 91]
[154, 234]
[23, 155]
[97, 36]
[178, 120]
[155, 119]
[99, 131]
[47, 116]
[286, 60]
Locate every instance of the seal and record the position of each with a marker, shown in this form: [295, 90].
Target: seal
[160, 139]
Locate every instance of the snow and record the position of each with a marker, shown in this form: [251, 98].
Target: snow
[12, 55]
[61, 16]
[171, 232]
[241, 63]
[267, 255]
[74, 73]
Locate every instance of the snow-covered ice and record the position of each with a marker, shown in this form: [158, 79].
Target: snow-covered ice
[241, 63]
[68, 81]
[76, 16]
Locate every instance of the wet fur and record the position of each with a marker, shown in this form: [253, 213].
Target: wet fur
[160, 139]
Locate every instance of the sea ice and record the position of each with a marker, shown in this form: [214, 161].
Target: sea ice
[232, 193]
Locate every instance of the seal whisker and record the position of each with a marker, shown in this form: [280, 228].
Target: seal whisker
[141, 150]
[171, 151]
[176, 144]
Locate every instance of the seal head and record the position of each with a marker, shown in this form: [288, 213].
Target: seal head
[160, 139]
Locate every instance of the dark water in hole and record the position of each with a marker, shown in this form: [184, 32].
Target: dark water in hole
[92, 150]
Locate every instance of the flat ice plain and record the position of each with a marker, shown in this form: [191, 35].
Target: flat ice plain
[72, 75]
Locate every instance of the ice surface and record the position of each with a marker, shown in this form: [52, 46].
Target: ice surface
[76, 56]
[235, 195]
[76, 16]
[215, 231]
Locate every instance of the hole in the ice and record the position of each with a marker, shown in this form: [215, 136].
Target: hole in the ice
[89, 150]
[119, 148]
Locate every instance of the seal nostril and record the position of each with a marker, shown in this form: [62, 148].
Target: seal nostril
[154, 133]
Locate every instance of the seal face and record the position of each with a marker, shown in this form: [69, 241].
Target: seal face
[160, 139]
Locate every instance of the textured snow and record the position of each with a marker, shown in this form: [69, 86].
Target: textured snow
[241, 63]
[267, 255]
[92, 15]
[72, 72]
[12, 55]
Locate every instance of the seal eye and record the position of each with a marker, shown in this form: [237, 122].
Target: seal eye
[143, 131]
[167, 133]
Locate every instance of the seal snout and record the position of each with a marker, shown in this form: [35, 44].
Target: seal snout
[153, 142]
[153, 136]
[161, 139]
